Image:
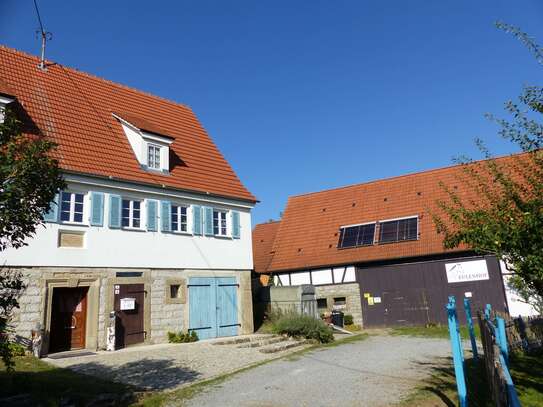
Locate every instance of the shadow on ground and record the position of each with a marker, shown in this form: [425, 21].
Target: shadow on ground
[146, 374]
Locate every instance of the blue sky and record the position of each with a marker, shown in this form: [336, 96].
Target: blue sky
[302, 96]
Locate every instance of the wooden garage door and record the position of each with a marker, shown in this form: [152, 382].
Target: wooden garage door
[213, 309]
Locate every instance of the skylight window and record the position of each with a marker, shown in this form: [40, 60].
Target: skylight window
[398, 230]
[358, 235]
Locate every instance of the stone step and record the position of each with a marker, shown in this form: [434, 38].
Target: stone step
[279, 347]
[240, 339]
[268, 341]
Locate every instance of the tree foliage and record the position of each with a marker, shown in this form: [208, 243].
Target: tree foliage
[502, 212]
[29, 180]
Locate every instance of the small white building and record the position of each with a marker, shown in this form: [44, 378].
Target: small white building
[154, 225]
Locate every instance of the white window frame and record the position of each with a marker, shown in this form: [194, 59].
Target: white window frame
[72, 207]
[187, 223]
[360, 224]
[220, 231]
[131, 214]
[154, 151]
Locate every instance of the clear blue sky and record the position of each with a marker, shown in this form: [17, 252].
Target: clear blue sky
[302, 96]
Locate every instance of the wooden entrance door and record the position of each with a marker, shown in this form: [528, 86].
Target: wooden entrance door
[68, 319]
[129, 301]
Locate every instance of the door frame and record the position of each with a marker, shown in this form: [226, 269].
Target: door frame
[145, 279]
[93, 305]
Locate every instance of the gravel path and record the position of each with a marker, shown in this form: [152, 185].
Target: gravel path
[166, 366]
[375, 372]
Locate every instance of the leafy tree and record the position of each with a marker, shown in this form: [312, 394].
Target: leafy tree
[500, 211]
[29, 180]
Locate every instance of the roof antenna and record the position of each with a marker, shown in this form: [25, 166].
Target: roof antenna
[45, 36]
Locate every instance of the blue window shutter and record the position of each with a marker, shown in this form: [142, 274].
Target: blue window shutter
[152, 216]
[235, 224]
[165, 216]
[52, 214]
[97, 209]
[197, 220]
[208, 221]
[114, 211]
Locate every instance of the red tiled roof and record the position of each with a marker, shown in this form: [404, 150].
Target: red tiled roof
[307, 235]
[76, 109]
[263, 238]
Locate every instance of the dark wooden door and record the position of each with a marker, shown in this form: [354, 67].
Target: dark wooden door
[129, 328]
[68, 319]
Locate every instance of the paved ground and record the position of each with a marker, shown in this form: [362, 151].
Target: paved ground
[167, 366]
[375, 372]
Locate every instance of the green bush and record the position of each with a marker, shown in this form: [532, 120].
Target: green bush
[305, 326]
[348, 319]
[182, 337]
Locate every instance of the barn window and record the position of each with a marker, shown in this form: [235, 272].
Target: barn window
[322, 303]
[398, 230]
[358, 235]
[340, 302]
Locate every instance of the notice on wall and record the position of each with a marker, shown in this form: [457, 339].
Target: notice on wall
[128, 304]
[377, 300]
[370, 300]
[367, 295]
[463, 271]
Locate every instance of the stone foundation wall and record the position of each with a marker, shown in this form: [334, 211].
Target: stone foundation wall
[161, 313]
[351, 292]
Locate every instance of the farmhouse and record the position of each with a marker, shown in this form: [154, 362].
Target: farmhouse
[372, 251]
[153, 229]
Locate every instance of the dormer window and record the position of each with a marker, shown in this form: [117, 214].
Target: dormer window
[153, 156]
[4, 101]
[150, 143]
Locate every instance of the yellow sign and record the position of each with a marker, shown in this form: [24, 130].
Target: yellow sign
[367, 295]
[370, 300]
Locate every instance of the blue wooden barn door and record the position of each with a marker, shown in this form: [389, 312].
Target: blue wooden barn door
[213, 309]
[202, 307]
[227, 306]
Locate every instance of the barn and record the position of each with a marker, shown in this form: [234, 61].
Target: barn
[372, 250]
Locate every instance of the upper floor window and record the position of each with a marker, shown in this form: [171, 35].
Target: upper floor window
[398, 230]
[71, 207]
[131, 213]
[153, 156]
[359, 235]
[219, 223]
[179, 218]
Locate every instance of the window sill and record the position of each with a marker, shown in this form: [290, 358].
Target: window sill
[67, 223]
[221, 236]
[131, 229]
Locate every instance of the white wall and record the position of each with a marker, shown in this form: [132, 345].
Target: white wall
[105, 247]
[514, 303]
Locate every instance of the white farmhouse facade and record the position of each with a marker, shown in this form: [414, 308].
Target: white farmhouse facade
[152, 233]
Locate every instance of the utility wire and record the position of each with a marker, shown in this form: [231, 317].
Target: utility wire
[39, 17]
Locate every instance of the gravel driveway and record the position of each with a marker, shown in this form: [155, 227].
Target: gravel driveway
[374, 372]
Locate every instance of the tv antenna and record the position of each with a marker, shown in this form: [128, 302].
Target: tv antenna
[45, 36]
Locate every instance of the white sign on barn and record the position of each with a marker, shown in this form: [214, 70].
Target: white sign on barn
[466, 271]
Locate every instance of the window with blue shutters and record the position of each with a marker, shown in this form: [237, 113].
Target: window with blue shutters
[97, 209]
[219, 223]
[114, 211]
[165, 220]
[197, 220]
[152, 214]
[235, 225]
[52, 214]
[71, 207]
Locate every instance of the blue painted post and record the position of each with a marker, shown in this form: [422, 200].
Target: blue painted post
[500, 322]
[511, 391]
[488, 309]
[467, 307]
[456, 346]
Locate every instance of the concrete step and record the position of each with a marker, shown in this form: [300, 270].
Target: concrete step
[281, 346]
[241, 339]
[264, 342]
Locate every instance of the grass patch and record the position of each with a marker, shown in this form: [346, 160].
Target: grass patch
[433, 331]
[440, 388]
[47, 384]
